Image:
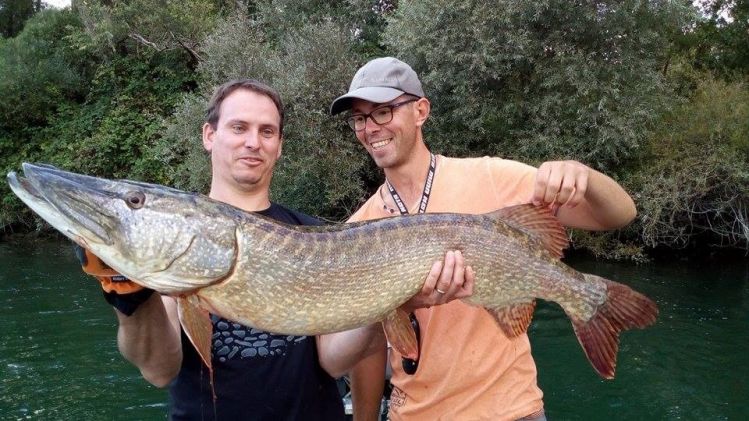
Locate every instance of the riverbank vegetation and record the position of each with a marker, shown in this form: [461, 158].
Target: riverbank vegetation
[652, 92]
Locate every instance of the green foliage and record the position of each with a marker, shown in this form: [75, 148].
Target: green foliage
[720, 41]
[362, 20]
[179, 153]
[69, 108]
[612, 245]
[128, 102]
[39, 70]
[40, 73]
[157, 25]
[15, 13]
[538, 80]
[694, 184]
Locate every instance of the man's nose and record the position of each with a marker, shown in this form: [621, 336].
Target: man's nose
[369, 125]
[252, 140]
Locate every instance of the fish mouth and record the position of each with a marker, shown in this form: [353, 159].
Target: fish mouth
[71, 203]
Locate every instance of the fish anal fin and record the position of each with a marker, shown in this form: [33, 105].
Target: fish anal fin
[196, 322]
[539, 223]
[400, 334]
[623, 309]
[514, 319]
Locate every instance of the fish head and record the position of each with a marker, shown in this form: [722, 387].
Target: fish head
[165, 239]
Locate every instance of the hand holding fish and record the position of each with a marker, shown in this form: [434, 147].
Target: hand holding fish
[446, 281]
[560, 183]
[582, 197]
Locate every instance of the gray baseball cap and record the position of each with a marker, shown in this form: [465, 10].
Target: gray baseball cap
[381, 80]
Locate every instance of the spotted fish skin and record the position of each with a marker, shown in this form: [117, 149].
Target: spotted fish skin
[318, 280]
[314, 280]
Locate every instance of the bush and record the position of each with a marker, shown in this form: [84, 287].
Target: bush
[694, 183]
[538, 80]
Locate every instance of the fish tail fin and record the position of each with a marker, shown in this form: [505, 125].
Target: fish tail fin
[623, 309]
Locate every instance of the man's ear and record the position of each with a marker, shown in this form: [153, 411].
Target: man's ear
[208, 133]
[423, 107]
[280, 146]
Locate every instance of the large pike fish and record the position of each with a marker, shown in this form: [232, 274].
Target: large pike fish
[316, 280]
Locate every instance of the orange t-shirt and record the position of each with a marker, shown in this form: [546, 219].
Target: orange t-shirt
[468, 369]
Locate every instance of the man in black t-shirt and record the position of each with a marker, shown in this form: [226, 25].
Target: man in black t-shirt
[257, 375]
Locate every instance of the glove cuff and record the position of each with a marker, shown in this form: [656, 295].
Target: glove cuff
[118, 284]
[128, 303]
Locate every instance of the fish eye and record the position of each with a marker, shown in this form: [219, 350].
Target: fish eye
[135, 199]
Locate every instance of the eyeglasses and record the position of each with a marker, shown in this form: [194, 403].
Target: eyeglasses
[409, 365]
[380, 115]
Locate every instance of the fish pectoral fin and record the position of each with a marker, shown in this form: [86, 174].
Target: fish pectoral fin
[196, 322]
[538, 222]
[400, 334]
[514, 319]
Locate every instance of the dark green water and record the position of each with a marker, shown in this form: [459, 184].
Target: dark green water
[58, 351]
[58, 356]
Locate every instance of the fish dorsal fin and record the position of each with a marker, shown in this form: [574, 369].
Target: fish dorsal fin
[514, 319]
[196, 322]
[400, 334]
[538, 222]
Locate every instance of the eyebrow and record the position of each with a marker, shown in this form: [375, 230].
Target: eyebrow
[355, 110]
[274, 125]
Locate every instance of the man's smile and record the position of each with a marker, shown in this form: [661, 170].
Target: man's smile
[380, 143]
[250, 160]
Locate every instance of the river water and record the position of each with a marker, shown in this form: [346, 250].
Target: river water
[59, 360]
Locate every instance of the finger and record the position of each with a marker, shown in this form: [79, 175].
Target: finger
[443, 284]
[539, 188]
[431, 281]
[458, 277]
[555, 208]
[470, 280]
[581, 187]
[566, 190]
[555, 181]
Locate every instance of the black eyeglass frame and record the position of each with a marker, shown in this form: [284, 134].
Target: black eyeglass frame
[350, 119]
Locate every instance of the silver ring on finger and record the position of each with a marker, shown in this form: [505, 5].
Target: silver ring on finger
[439, 291]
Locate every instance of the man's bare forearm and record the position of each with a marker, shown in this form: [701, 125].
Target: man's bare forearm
[150, 339]
[606, 206]
[367, 384]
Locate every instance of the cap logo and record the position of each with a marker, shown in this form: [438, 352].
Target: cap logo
[384, 80]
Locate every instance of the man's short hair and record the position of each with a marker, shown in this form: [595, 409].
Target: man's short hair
[213, 111]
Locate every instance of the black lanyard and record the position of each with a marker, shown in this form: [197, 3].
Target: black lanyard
[424, 195]
[409, 365]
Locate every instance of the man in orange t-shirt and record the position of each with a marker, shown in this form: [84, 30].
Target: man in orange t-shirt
[468, 370]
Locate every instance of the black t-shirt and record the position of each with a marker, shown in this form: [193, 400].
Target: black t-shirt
[257, 375]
